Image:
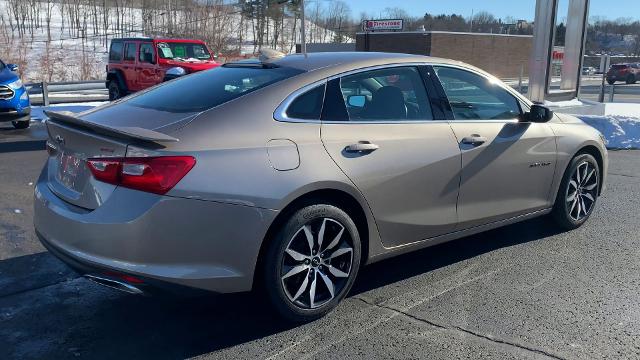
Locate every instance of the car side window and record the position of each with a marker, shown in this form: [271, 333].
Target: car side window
[115, 53]
[391, 94]
[130, 52]
[307, 106]
[474, 97]
[146, 54]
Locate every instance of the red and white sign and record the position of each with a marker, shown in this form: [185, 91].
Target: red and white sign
[378, 25]
[557, 56]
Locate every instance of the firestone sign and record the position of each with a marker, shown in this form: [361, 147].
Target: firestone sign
[378, 25]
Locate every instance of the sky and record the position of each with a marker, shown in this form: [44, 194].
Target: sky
[519, 9]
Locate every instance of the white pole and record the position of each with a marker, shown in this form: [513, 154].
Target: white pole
[303, 45]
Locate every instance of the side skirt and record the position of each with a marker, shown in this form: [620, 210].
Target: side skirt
[405, 248]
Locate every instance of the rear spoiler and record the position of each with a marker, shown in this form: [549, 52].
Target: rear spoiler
[123, 132]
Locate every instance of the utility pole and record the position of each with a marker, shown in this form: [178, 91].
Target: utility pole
[303, 45]
[303, 33]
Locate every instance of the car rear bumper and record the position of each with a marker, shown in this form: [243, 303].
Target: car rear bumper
[166, 242]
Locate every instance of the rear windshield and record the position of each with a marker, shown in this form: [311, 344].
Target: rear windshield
[207, 89]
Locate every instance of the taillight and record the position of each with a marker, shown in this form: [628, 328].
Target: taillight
[150, 174]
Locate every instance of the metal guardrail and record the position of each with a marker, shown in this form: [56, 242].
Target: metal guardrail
[43, 93]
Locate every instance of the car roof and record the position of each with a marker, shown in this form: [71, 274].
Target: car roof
[157, 39]
[322, 60]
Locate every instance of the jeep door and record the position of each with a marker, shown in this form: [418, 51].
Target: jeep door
[129, 64]
[148, 71]
[507, 165]
[380, 128]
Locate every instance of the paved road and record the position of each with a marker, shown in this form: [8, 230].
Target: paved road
[590, 90]
[521, 292]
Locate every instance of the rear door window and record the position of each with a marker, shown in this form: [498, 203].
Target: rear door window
[130, 52]
[115, 53]
[146, 54]
[395, 94]
[207, 89]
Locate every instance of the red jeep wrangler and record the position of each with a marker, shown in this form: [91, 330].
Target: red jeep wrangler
[138, 63]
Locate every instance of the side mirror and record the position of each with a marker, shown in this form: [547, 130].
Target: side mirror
[538, 114]
[174, 73]
[357, 100]
[13, 67]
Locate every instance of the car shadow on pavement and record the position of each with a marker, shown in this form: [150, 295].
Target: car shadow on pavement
[78, 318]
[422, 261]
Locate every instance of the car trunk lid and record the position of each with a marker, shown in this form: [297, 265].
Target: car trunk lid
[73, 139]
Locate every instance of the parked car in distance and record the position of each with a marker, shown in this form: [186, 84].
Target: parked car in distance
[14, 99]
[288, 175]
[629, 73]
[588, 70]
[138, 63]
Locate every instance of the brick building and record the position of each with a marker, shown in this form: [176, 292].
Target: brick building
[502, 55]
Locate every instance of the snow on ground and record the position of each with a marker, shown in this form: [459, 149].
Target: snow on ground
[71, 55]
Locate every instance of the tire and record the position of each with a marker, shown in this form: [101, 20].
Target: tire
[292, 270]
[630, 79]
[611, 81]
[581, 178]
[20, 124]
[115, 91]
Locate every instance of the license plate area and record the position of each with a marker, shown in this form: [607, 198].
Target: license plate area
[69, 170]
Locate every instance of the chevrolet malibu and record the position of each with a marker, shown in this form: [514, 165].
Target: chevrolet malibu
[287, 175]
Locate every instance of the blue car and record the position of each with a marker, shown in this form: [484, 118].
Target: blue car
[14, 99]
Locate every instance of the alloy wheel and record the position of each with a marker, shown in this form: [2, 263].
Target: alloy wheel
[582, 191]
[317, 263]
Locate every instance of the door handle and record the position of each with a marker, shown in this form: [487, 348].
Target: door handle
[474, 140]
[362, 147]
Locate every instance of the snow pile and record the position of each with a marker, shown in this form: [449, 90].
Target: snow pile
[621, 132]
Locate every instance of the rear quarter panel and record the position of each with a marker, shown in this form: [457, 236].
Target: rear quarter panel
[230, 146]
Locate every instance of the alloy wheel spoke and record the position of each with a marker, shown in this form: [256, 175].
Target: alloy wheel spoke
[328, 283]
[591, 187]
[339, 252]
[586, 179]
[296, 255]
[582, 207]
[309, 235]
[572, 196]
[312, 291]
[321, 233]
[579, 209]
[573, 206]
[302, 288]
[337, 272]
[336, 239]
[574, 184]
[295, 270]
[589, 196]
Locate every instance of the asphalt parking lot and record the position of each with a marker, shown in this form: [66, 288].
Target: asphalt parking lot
[524, 291]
